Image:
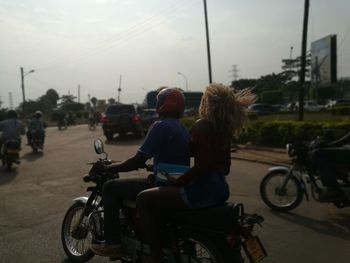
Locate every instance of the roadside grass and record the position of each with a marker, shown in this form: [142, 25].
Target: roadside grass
[293, 116]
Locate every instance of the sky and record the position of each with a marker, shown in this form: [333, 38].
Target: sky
[138, 45]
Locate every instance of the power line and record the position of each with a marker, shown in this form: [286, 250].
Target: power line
[131, 32]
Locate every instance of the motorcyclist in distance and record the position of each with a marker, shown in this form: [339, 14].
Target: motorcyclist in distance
[326, 159]
[36, 123]
[62, 119]
[11, 128]
[92, 117]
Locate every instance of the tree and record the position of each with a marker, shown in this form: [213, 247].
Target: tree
[94, 101]
[111, 101]
[272, 97]
[292, 67]
[67, 99]
[52, 96]
[244, 83]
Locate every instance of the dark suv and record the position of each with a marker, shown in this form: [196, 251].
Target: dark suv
[121, 119]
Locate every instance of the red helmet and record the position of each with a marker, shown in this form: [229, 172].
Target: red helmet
[170, 100]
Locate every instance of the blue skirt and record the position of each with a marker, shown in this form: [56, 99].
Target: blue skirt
[208, 190]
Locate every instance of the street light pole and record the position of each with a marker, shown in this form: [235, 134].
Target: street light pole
[22, 86]
[208, 43]
[303, 61]
[185, 79]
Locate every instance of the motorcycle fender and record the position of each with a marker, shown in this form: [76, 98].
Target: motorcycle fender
[286, 169]
[81, 199]
[279, 168]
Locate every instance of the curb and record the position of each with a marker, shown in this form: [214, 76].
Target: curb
[260, 148]
[259, 161]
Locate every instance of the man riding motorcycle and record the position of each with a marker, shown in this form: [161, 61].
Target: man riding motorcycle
[11, 129]
[36, 124]
[336, 153]
[166, 142]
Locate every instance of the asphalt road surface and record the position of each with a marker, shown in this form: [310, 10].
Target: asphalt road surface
[35, 196]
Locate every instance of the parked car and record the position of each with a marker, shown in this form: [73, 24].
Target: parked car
[262, 108]
[121, 119]
[148, 117]
[310, 105]
[281, 107]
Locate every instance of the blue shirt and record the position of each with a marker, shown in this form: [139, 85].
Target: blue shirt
[167, 142]
[11, 129]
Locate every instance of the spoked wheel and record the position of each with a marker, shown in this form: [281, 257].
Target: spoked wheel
[76, 239]
[197, 249]
[278, 197]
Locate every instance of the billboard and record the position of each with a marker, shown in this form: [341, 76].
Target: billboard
[324, 60]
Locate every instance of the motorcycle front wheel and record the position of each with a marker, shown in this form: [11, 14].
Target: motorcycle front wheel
[276, 196]
[76, 238]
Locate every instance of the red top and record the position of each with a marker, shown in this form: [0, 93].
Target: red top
[210, 151]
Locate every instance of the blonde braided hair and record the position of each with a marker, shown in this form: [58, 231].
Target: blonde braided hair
[224, 106]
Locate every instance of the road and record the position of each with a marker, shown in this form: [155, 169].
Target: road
[35, 196]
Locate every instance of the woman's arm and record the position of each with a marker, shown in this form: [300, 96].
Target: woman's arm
[201, 142]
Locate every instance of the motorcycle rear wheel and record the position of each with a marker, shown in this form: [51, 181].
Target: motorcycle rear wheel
[197, 248]
[280, 199]
[77, 249]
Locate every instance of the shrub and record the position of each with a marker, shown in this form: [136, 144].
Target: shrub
[279, 133]
[341, 110]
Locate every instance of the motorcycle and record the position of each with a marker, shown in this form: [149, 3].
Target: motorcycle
[92, 124]
[37, 141]
[62, 124]
[214, 234]
[283, 188]
[10, 153]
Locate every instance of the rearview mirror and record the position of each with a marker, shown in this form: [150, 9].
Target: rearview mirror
[99, 149]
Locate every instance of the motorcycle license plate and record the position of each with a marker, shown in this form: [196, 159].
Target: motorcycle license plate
[12, 151]
[254, 249]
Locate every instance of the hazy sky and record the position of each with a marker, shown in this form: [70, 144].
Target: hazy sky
[92, 42]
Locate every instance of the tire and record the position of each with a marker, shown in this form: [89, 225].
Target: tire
[197, 248]
[77, 250]
[279, 200]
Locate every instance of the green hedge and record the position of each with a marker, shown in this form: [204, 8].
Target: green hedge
[279, 133]
[341, 110]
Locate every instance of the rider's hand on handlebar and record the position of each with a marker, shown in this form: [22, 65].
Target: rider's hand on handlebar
[98, 167]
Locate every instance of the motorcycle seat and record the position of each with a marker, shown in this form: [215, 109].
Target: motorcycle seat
[219, 217]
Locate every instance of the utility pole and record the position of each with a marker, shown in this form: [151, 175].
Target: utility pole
[303, 61]
[78, 93]
[22, 86]
[208, 43]
[10, 101]
[120, 87]
[23, 93]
